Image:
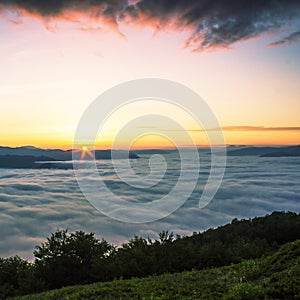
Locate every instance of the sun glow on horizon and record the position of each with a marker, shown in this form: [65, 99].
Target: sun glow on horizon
[84, 152]
[50, 75]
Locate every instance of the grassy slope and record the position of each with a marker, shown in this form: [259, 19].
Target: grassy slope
[273, 277]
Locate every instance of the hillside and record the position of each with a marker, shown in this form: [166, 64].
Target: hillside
[20, 162]
[76, 258]
[273, 277]
[25, 157]
[283, 151]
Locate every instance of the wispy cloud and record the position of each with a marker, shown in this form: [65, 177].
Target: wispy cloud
[291, 39]
[212, 24]
[242, 128]
[259, 128]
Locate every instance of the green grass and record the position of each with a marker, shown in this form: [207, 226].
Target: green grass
[272, 277]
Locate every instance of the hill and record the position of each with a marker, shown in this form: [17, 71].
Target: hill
[273, 277]
[55, 154]
[266, 151]
[67, 259]
[22, 162]
[26, 157]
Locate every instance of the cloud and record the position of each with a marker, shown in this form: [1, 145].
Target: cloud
[211, 24]
[59, 7]
[218, 23]
[291, 39]
[34, 203]
[92, 11]
[243, 128]
[259, 128]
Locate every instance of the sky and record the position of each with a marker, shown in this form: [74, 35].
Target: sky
[241, 57]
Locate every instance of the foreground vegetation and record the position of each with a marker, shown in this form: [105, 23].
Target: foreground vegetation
[273, 277]
[66, 259]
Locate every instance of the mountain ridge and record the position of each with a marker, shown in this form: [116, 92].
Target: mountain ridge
[27, 156]
[280, 151]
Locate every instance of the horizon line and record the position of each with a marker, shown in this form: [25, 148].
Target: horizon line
[152, 148]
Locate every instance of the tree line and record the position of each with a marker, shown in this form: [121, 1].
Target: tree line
[70, 258]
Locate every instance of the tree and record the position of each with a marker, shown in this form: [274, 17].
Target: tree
[134, 258]
[66, 258]
[17, 277]
[166, 237]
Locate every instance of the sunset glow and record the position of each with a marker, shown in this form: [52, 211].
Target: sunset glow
[85, 152]
[55, 64]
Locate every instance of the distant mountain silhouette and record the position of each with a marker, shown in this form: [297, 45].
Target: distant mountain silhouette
[22, 161]
[154, 151]
[55, 154]
[290, 151]
[28, 156]
[266, 151]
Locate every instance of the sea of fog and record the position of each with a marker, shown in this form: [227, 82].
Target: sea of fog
[36, 202]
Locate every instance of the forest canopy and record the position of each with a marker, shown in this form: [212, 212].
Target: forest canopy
[71, 258]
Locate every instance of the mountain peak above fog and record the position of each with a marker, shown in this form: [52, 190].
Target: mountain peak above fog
[34, 151]
[280, 151]
[30, 147]
[15, 157]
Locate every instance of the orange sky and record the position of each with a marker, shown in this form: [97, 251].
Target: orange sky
[50, 74]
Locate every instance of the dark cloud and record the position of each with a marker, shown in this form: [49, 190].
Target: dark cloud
[291, 39]
[213, 24]
[104, 11]
[219, 23]
[57, 7]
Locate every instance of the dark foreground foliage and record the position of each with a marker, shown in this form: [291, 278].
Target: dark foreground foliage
[272, 277]
[79, 258]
